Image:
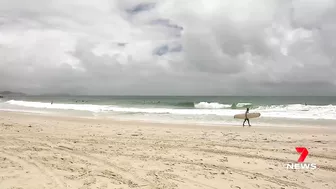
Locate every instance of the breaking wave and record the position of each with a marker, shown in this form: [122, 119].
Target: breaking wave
[211, 105]
[295, 111]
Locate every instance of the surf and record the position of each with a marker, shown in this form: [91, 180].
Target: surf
[289, 111]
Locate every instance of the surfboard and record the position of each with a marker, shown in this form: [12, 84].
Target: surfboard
[249, 115]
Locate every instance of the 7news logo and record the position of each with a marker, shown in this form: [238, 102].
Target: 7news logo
[301, 165]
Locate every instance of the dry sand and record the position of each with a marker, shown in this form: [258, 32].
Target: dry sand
[60, 152]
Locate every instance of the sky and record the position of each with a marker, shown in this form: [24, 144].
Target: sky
[168, 47]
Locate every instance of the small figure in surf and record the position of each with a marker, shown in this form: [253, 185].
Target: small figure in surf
[246, 119]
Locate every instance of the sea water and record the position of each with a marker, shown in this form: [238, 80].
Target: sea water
[212, 110]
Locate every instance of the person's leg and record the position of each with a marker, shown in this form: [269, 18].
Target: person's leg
[244, 122]
[248, 121]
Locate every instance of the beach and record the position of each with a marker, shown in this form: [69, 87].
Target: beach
[54, 151]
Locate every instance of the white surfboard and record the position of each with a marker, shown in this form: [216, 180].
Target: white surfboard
[249, 115]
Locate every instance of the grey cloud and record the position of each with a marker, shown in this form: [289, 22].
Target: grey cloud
[168, 47]
[140, 7]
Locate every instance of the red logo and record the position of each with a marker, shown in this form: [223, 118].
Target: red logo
[304, 153]
[300, 165]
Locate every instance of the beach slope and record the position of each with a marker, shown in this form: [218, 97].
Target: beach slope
[39, 151]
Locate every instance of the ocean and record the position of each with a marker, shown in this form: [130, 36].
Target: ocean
[210, 110]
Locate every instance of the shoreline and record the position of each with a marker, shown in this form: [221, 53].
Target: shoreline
[200, 111]
[42, 151]
[254, 121]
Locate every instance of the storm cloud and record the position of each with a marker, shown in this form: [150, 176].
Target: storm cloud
[168, 47]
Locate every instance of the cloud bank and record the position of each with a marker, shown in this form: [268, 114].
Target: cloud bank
[168, 47]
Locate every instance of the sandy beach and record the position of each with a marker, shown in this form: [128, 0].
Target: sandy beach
[40, 151]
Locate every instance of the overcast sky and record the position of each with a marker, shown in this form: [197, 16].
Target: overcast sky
[168, 47]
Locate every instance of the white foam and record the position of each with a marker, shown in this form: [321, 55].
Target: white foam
[43, 105]
[243, 104]
[293, 111]
[211, 105]
[105, 108]
[299, 111]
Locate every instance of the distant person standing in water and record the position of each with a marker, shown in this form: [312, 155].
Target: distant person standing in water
[246, 119]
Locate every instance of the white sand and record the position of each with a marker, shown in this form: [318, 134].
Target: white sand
[59, 152]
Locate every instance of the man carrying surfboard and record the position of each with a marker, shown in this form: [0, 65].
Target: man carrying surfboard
[246, 119]
[247, 116]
